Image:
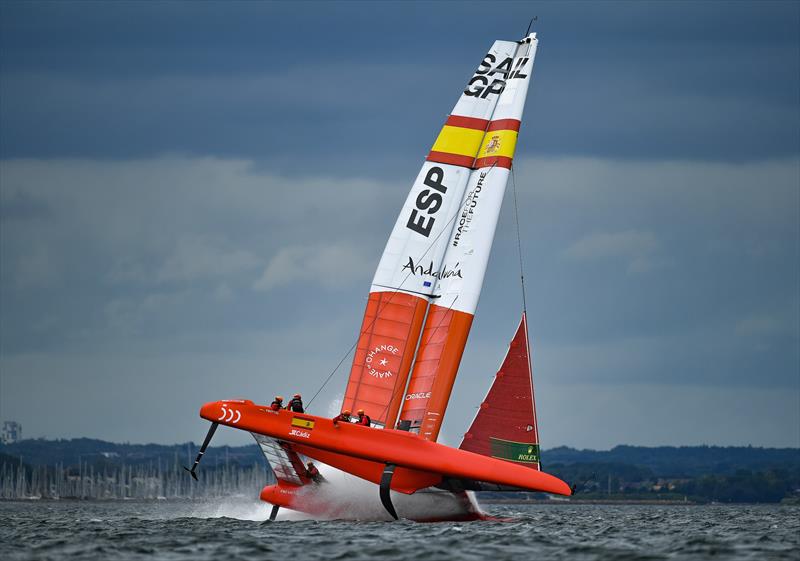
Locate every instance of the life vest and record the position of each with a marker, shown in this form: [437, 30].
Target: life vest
[364, 420]
[296, 405]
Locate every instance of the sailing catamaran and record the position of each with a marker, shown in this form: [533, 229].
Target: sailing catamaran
[419, 312]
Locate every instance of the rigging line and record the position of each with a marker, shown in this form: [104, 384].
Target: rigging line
[350, 350]
[516, 209]
[519, 240]
[388, 301]
[524, 309]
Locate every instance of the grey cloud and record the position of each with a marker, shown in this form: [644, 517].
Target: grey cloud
[133, 245]
[36, 266]
[175, 244]
[223, 227]
[332, 265]
[767, 325]
[21, 206]
[198, 258]
[633, 246]
[637, 249]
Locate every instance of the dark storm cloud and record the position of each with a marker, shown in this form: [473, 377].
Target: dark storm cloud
[269, 81]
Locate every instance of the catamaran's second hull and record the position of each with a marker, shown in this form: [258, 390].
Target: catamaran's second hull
[352, 499]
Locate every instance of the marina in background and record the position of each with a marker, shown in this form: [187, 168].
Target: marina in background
[94, 469]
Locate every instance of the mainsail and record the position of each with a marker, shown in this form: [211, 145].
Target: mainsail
[449, 318]
[414, 259]
[505, 426]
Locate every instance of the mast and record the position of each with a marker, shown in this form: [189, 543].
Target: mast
[450, 316]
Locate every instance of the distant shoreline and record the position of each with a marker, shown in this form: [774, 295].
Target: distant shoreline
[84, 468]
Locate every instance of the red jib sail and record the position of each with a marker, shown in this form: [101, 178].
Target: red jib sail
[505, 425]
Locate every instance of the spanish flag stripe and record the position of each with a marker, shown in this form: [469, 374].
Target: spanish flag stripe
[504, 124]
[458, 140]
[463, 142]
[452, 159]
[499, 161]
[468, 122]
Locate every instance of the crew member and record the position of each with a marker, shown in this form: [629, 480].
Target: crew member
[313, 473]
[277, 404]
[296, 404]
[363, 418]
[344, 416]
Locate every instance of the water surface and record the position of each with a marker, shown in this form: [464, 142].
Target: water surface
[234, 529]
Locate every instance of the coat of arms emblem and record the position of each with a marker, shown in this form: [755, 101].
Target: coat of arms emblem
[494, 145]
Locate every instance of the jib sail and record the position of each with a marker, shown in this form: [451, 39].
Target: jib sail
[413, 260]
[505, 426]
[456, 294]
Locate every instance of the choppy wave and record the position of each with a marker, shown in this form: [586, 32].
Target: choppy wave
[235, 529]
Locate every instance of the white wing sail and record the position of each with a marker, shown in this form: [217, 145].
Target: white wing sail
[414, 258]
[458, 286]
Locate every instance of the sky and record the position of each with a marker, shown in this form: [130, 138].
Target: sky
[194, 198]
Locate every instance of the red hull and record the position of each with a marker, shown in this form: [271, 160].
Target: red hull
[365, 451]
[423, 506]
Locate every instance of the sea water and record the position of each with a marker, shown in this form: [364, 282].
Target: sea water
[235, 529]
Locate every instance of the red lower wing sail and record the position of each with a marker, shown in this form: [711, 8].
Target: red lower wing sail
[505, 426]
[441, 347]
[382, 361]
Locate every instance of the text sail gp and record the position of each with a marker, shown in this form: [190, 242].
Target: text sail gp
[480, 86]
[430, 200]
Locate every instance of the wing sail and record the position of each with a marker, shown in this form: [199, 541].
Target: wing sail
[505, 426]
[413, 258]
[461, 277]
